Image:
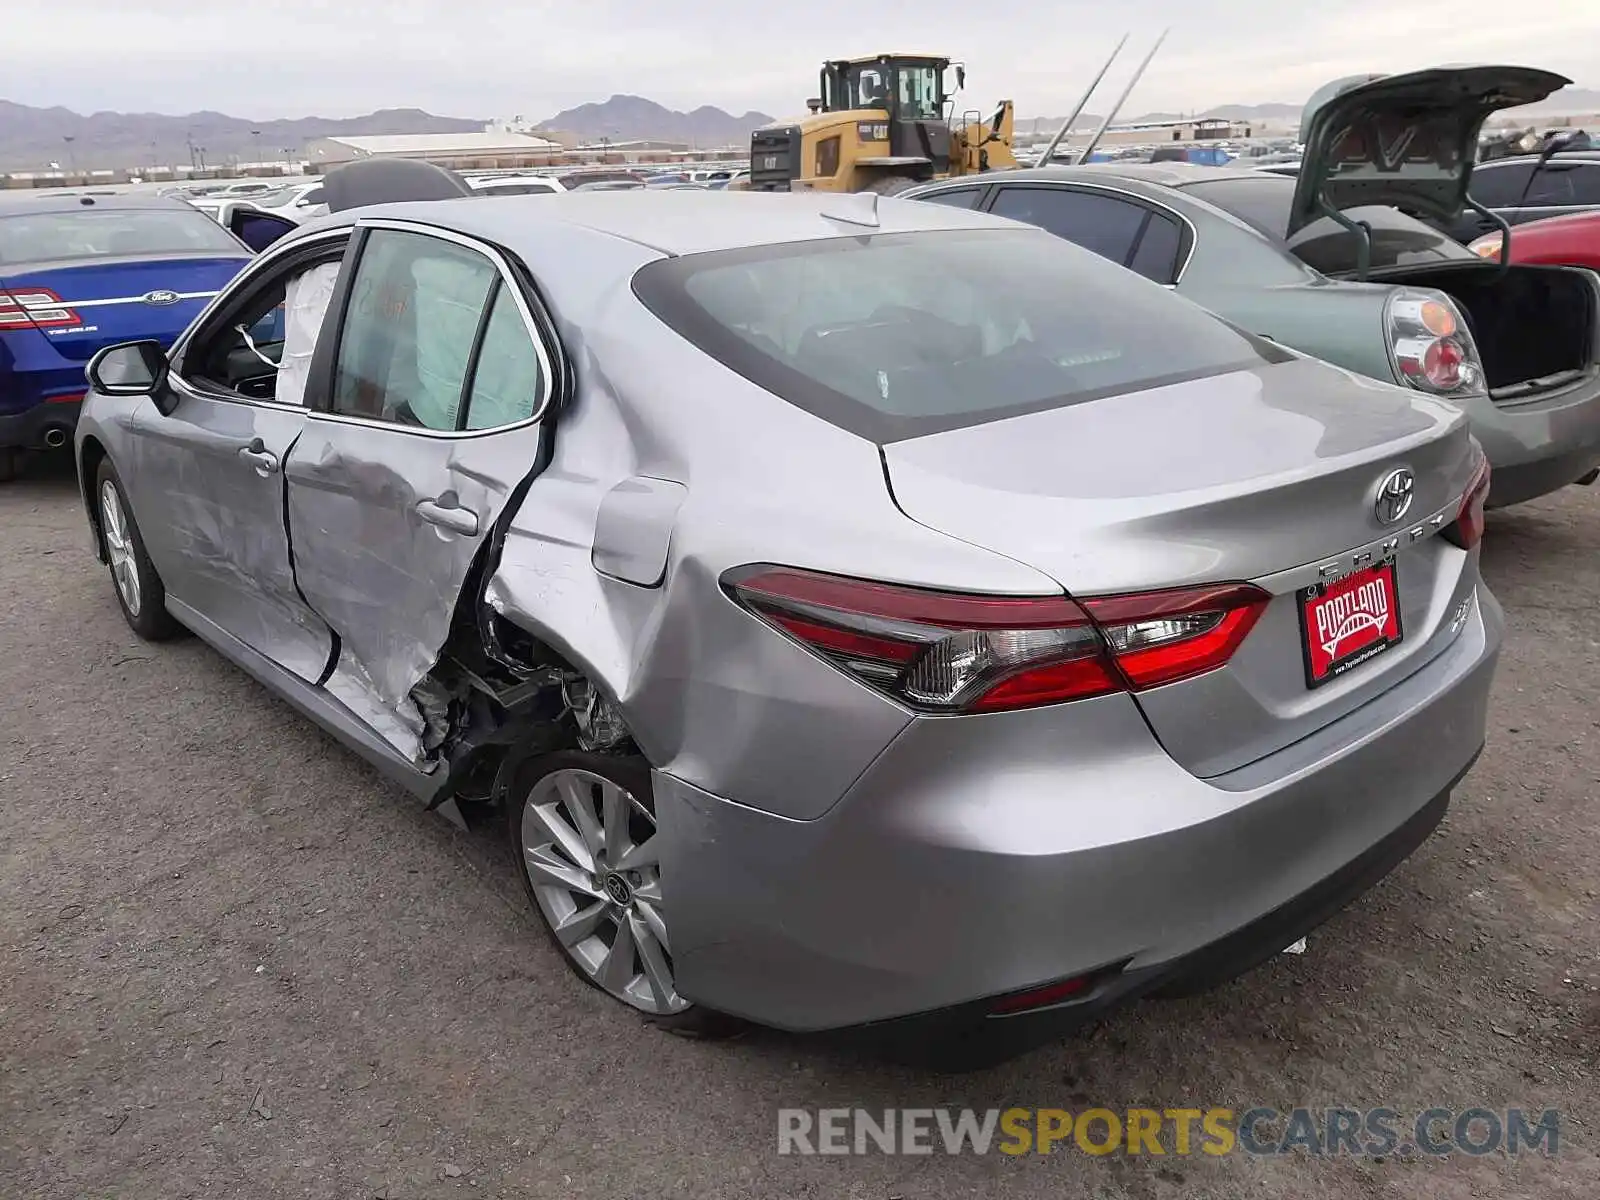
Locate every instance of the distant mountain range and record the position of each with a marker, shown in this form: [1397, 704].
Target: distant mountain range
[624, 118]
[32, 138]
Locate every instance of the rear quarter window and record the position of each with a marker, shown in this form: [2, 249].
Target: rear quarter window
[899, 335]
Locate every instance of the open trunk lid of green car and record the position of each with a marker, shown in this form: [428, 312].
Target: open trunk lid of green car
[1405, 140]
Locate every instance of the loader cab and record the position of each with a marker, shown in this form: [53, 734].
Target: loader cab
[909, 90]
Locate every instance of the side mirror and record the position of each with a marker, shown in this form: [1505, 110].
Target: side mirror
[128, 369]
[961, 77]
[258, 229]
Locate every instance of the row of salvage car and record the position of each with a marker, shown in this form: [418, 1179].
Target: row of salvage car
[872, 615]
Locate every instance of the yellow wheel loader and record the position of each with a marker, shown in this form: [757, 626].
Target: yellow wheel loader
[880, 125]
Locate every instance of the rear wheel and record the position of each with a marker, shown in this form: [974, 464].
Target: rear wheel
[891, 185]
[140, 593]
[584, 831]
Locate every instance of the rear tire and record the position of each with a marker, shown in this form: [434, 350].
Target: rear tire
[891, 185]
[139, 590]
[581, 828]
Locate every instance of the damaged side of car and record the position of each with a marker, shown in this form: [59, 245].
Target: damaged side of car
[324, 473]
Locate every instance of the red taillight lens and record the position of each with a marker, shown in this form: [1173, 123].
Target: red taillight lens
[1467, 529]
[944, 652]
[1160, 637]
[1442, 362]
[38, 307]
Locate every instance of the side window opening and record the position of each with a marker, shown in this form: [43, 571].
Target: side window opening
[263, 351]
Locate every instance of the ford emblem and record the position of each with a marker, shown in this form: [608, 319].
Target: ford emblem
[162, 296]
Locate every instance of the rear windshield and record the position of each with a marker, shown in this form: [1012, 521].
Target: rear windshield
[1325, 245]
[898, 335]
[37, 237]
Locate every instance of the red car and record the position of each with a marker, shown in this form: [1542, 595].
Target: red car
[1569, 241]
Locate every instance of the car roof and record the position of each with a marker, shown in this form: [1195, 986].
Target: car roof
[1165, 174]
[1558, 156]
[1573, 220]
[45, 200]
[688, 221]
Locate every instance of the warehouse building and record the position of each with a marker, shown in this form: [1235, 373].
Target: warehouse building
[463, 151]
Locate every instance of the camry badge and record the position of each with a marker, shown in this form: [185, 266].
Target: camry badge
[1395, 494]
[161, 296]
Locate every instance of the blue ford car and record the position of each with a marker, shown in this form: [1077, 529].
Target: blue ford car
[80, 271]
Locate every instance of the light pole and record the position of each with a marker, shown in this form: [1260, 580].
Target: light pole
[72, 155]
[255, 147]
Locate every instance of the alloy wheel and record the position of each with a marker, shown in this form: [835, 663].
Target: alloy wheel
[119, 547]
[589, 847]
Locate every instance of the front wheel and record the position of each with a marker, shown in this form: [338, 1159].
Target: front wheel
[140, 593]
[584, 830]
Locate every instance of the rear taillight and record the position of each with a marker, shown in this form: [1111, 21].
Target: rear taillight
[1466, 530]
[952, 653]
[1431, 346]
[38, 307]
[1488, 247]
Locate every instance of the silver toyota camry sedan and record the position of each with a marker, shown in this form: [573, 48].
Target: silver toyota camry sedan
[865, 616]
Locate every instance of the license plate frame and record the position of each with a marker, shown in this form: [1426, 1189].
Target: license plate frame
[1330, 649]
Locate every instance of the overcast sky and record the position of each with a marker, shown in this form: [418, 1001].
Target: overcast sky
[495, 58]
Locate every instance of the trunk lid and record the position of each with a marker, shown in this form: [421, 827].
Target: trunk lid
[1263, 476]
[82, 307]
[1406, 140]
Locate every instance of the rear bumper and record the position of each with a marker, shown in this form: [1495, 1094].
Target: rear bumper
[972, 1036]
[1540, 445]
[37, 427]
[988, 855]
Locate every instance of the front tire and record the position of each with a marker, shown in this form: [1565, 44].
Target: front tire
[140, 593]
[583, 832]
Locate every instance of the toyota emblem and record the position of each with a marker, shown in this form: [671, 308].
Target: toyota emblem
[161, 296]
[1395, 494]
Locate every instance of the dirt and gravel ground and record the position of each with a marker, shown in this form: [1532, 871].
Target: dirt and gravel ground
[235, 963]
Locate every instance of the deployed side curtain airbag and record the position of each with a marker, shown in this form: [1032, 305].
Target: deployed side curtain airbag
[305, 302]
[450, 295]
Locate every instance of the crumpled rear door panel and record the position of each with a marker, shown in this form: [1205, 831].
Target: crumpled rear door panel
[382, 575]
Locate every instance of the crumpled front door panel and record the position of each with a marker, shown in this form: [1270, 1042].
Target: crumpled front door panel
[211, 486]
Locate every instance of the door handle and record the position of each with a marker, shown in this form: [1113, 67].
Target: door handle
[264, 461]
[453, 517]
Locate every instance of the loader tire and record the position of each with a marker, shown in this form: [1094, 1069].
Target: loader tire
[891, 185]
